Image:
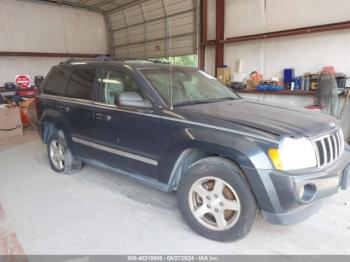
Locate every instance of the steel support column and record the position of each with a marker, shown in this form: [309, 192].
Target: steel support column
[203, 32]
[220, 33]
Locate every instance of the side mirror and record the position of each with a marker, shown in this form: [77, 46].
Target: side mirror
[132, 99]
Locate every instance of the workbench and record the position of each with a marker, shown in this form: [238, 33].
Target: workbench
[11, 92]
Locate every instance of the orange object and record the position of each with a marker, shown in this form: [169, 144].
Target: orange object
[28, 111]
[256, 76]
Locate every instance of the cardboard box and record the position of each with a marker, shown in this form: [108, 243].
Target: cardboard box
[10, 122]
[252, 84]
[224, 74]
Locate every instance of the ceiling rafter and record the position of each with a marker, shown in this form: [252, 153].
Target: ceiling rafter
[69, 3]
[116, 5]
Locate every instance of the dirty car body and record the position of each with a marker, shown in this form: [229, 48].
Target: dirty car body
[155, 140]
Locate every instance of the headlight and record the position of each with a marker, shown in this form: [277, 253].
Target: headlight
[293, 154]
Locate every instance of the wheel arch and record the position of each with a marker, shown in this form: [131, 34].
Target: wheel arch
[52, 121]
[189, 156]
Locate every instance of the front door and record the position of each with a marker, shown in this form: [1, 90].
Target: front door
[126, 137]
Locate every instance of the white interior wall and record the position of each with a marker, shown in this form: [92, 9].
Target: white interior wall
[32, 66]
[211, 20]
[244, 17]
[286, 14]
[209, 63]
[306, 53]
[259, 16]
[47, 28]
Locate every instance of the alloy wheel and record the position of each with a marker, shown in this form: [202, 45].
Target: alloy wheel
[214, 203]
[57, 153]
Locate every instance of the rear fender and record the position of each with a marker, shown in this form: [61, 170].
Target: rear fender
[63, 124]
[52, 121]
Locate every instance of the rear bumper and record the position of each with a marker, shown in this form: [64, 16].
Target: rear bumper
[39, 129]
[296, 196]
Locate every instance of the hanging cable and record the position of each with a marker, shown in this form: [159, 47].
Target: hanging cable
[170, 64]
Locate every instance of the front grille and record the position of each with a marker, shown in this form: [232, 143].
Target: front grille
[329, 147]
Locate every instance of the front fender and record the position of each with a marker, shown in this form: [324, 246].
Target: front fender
[248, 153]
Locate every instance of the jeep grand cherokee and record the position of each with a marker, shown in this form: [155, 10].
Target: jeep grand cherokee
[178, 128]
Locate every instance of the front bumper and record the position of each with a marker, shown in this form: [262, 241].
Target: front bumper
[297, 195]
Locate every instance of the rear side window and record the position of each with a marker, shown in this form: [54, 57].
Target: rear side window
[81, 84]
[55, 84]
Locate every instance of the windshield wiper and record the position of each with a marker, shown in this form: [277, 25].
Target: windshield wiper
[195, 102]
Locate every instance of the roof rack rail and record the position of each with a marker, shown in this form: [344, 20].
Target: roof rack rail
[104, 58]
[99, 58]
[68, 61]
[108, 58]
[142, 60]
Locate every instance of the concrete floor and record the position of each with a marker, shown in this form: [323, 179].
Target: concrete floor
[96, 212]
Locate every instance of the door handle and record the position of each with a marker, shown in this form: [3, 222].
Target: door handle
[103, 117]
[63, 108]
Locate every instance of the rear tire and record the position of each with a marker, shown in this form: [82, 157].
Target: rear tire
[216, 201]
[60, 156]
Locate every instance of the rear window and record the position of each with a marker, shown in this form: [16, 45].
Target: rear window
[55, 83]
[81, 84]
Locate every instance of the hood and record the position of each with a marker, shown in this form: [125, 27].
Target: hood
[271, 118]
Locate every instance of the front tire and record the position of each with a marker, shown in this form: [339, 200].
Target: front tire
[60, 156]
[216, 201]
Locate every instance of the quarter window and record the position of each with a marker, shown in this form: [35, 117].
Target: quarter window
[55, 83]
[81, 84]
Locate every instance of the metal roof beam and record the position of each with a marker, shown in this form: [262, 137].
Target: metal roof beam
[68, 3]
[154, 20]
[121, 7]
[153, 40]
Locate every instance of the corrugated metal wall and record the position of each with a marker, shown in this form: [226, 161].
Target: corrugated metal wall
[154, 28]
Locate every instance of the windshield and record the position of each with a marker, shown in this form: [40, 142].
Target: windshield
[188, 85]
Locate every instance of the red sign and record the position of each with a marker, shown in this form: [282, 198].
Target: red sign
[23, 81]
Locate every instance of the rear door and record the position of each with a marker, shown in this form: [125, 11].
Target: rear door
[78, 109]
[52, 89]
[126, 137]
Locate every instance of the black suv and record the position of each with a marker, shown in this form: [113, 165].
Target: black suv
[178, 128]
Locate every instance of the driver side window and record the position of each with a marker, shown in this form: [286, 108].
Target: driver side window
[113, 83]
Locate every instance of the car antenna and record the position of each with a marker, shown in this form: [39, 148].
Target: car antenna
[170, 68]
